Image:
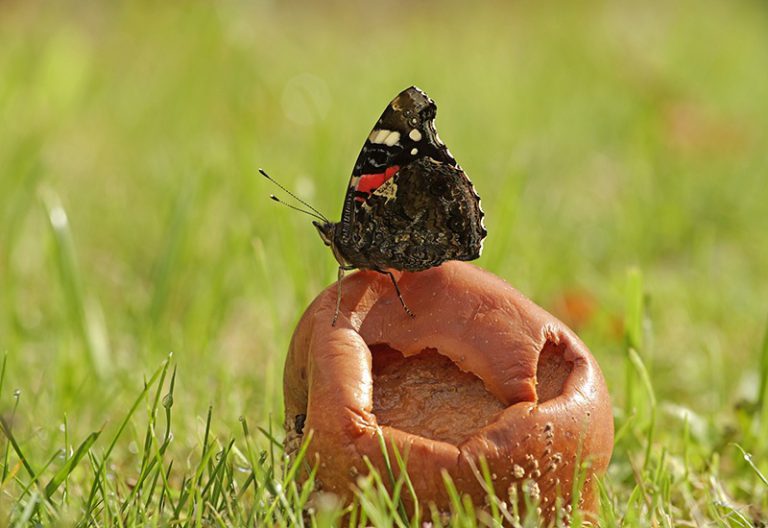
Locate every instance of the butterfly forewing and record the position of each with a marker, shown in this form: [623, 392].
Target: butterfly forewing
[405, 132]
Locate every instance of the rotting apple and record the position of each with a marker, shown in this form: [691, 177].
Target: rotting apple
[480, 372]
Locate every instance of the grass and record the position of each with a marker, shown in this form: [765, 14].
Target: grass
[148, 287]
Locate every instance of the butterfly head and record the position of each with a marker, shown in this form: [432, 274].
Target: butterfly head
[326, 231]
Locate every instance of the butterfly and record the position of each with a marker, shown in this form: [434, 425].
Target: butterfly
[409, 206]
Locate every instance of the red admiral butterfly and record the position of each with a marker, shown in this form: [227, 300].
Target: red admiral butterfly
[409, 206]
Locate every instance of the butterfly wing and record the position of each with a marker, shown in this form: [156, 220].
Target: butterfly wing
[404, 133]
[427, 213]
[409, 205]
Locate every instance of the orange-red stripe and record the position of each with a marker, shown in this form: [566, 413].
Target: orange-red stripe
[370, 182]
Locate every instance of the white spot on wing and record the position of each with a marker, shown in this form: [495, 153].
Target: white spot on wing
[414, 151]
[392, 139]
[378, 136]
[415, 135]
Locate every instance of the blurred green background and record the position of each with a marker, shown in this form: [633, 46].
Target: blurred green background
[602, 136]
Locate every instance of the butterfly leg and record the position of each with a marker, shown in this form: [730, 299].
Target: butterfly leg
[340, 276]
[399, 295]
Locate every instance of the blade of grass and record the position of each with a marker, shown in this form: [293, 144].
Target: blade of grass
[607, 511]
[29, 510]
[634, 309]
[296, 464]
[66, 456]
[633, 325]
[751, 463]
[273, 441]
[33, 483]
[173, 247]
[483, 477]
[85, 311]
[148, 462]
[16, 448]
[206, 445]
[212, 480]
[65, 470]
[401, 463]
[646, 379]
[453, 494]
[391, 473]
[7, 445]
[147, 386]
[763, 385]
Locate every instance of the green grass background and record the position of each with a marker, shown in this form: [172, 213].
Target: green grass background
[619, 148]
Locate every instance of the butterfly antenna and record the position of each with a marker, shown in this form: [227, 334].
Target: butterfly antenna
[317, 214]
[310, 213]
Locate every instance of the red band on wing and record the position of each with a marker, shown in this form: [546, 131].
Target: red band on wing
[370, 182]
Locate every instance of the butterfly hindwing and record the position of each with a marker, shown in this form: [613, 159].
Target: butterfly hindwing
[427, 213]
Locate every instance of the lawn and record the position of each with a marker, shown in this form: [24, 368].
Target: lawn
[149, 287]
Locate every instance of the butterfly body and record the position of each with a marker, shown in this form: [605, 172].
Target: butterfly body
[408, 206]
